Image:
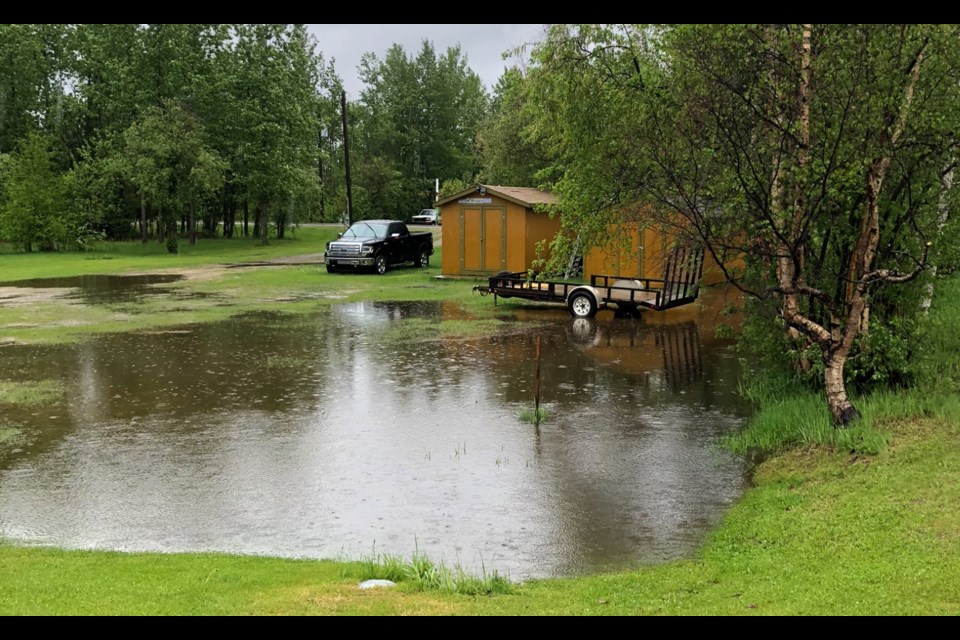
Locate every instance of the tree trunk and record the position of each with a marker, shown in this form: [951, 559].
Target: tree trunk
[229, 215]
[246, 217]
[841, 409]
[943, 214]
[173, 242]
[803, 364]
[193, 224]
[262, 222]
[143, 221]
[210, 223]
[160, 229]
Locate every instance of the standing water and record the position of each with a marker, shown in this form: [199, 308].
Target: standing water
[344, 432]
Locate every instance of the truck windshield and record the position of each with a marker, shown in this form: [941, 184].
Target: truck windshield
[366, 230]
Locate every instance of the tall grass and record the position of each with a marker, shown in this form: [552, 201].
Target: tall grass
[423, 574]
[789, 414]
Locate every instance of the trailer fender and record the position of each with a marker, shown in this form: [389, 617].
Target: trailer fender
[584, 302]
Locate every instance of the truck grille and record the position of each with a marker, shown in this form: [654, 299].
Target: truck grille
[345, 249]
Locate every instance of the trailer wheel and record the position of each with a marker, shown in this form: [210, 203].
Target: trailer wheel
[380, 264]
[582, 305]
[424, 260]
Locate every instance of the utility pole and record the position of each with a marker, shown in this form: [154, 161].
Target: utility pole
[320, 171]
[346, 156]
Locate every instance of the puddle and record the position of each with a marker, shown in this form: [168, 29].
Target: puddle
[96, 289]
[313, 436]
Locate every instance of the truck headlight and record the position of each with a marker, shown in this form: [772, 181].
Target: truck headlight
[366, 251]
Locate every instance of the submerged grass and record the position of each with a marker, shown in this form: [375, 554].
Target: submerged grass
[220, 293]
[30, 393]
[9, 436]
[533, 416]
[414, 329]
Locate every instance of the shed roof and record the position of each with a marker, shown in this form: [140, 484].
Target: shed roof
[525, 196]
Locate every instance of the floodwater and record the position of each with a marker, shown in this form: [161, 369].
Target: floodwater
[337, 435]
[100, 289]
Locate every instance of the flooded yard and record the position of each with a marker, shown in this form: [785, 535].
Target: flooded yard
[90, 289]
[359, 428]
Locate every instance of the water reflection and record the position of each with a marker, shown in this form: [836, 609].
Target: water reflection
[322, 436]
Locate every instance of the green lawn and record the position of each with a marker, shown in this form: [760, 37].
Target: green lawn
[825, 530]
[121, 257]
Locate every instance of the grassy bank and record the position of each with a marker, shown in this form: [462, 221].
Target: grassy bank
[827, 529]
[791, 415]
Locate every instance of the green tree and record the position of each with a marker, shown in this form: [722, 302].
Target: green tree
[418, 119]
[453, 186]
[32, 210]
[815, 151]
[259, 97]
[509, 146]
[170, 164]
[275, 118]
[330, 163]
[31, 83]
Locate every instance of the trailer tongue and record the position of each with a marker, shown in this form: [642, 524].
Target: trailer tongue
[679, 286]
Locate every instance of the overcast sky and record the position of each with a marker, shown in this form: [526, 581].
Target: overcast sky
[483, 44]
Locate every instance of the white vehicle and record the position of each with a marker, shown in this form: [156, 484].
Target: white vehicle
[427, 216]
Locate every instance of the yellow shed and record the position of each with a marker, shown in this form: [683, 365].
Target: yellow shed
[488, 228]
[637, 250]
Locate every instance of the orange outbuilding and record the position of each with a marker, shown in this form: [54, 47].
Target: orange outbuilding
[488, 229]
[639, 250]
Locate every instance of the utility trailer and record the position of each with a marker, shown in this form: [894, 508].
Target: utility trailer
[680, 285]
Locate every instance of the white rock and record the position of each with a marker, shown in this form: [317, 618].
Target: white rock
[373, 584]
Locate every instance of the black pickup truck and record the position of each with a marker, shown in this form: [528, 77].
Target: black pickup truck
[378, 244]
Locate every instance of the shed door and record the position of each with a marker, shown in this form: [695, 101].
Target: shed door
[471, 241]
[494, 240]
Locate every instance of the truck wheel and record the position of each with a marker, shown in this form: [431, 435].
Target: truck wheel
[380, 264]
[582, 305]
[331, 268]
[424, 261]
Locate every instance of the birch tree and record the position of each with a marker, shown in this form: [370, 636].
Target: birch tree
[815, 152]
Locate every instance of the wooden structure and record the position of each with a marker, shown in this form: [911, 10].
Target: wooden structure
[680, 285]
[637, 250]
[488, 229]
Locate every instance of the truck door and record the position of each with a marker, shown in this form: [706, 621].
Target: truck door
[398, 241]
